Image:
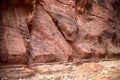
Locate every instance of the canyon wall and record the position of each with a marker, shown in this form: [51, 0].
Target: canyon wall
[39, 31]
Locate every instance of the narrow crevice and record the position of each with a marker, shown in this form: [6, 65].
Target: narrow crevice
[29, 22]
[30, 26]
[107, 19]
[65, 3]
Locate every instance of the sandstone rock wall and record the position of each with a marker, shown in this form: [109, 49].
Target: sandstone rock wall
[33, 31]
[14, 30]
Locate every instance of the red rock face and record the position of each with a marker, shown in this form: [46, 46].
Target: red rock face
[13, 32]
[47, 43]
[33, 31]
[99, 31]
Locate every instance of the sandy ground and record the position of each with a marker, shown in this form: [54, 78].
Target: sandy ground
[102, 70]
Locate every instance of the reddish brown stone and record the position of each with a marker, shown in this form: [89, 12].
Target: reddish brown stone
[59, 30]
[99, 30]
[13, 32]
[47, 43]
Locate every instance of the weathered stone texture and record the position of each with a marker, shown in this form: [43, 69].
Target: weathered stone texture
[13, 31]
[36, 31]
[47, 43]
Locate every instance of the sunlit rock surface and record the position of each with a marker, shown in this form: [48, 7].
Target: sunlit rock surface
[34, 31]
[47, 43]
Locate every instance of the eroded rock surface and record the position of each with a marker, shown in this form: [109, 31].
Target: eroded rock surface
[33, 31]
[99, 33]
[14, 30]
[47, 43]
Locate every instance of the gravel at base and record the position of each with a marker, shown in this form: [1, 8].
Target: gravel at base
[103, 70]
